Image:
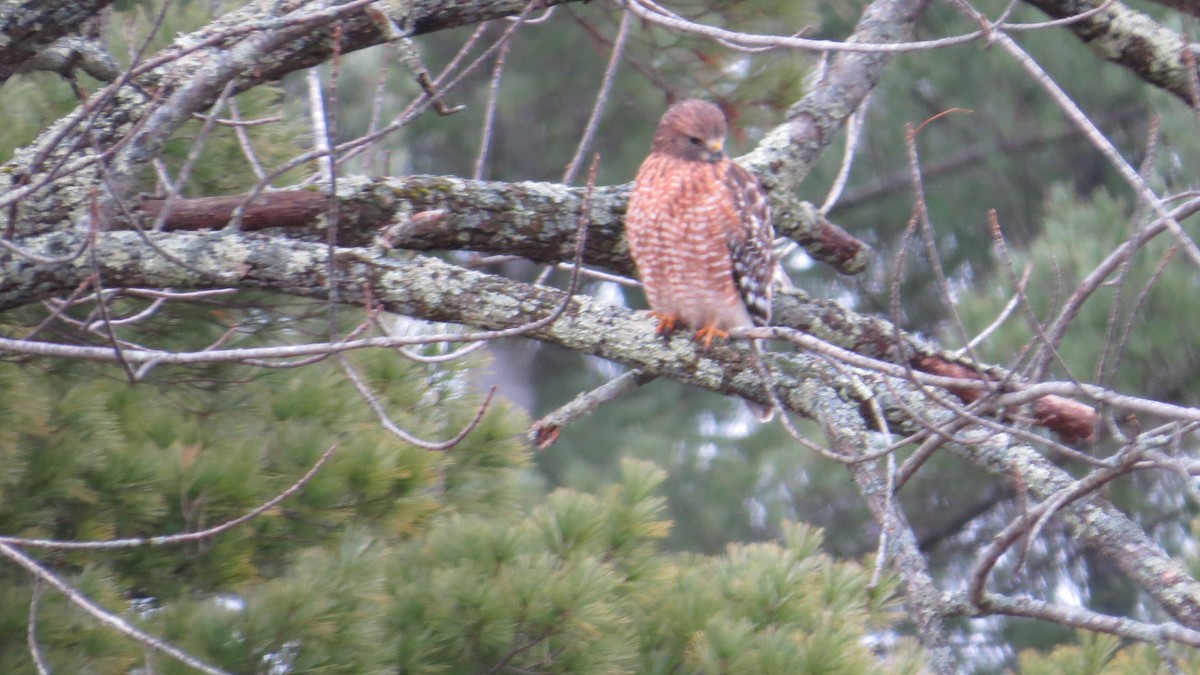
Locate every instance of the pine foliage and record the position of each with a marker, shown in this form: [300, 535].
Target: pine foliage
[392, 557]
[1098, 654]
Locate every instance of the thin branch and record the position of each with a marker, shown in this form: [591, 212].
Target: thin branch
[243, 139]
[656, 14]
[35, 651]
[545, 431]
[172, 539]
[442, 358]
[381, 412]
[1106, 148]
[1031, 522]
[1077, 617]
[489, 111]
[610, 72]
[317, 119]
[1004, 314]
[1150, 50]
[854, 127]
[102, 615]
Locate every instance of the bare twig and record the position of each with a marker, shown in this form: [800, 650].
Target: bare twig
[489, 111]
[35, 651]
[1078, 617]
[381, 412]
[610, 72]
[100, 614]
[545, 431]
[172, 539]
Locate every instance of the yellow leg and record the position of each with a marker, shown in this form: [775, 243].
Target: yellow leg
[708, 333]
[666, 322]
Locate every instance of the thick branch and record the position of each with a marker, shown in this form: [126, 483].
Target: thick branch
[847, 432]
[1153, 52]
[533, 220]
[427, 288]
[417, 286]
[190, 82]
[71, 53]
[538, 221]
[260, 43]
[28, 26]
[286, 210]
[787, 152]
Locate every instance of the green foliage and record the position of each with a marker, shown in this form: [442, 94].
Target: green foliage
[106, 460]
[70, 639]
[1087, 657]
[762, 608]
[1127, 348]
[393, 556]
[89, 458]
[570, 590]
[31, 102]
[1100, 654]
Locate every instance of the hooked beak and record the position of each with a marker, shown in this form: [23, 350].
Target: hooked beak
[715, 150]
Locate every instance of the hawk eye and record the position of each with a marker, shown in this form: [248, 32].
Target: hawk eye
[695, 141]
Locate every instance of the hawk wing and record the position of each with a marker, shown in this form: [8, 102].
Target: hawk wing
[751, 247]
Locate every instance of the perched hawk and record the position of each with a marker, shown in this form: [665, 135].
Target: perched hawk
[699, 229]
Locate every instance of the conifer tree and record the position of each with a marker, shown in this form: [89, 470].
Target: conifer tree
[251, 249]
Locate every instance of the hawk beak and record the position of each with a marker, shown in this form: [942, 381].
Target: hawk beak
[716, 150]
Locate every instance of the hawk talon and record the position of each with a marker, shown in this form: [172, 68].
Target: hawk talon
[666, 323]
[708, 333]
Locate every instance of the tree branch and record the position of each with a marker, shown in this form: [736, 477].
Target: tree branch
[532, 220]
[430, 289]
[260, 43]
[848, 433]
[1133, 40]
[787, 152]
[29, 26]
[1095, 521]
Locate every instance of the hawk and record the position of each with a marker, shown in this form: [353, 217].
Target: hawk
[699, 229]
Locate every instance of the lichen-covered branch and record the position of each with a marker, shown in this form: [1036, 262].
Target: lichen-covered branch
[55, 176]
[533, 220]
[1155, 53]
[427, 288]
[785, 155]
[850, 436]
[538, 221]
[28, 26]
[70, 54]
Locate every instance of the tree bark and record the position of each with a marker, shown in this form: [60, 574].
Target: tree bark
[28, 26]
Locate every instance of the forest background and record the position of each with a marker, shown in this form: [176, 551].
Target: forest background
[263, 263]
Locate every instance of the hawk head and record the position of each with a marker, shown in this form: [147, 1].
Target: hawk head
[691, 130]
